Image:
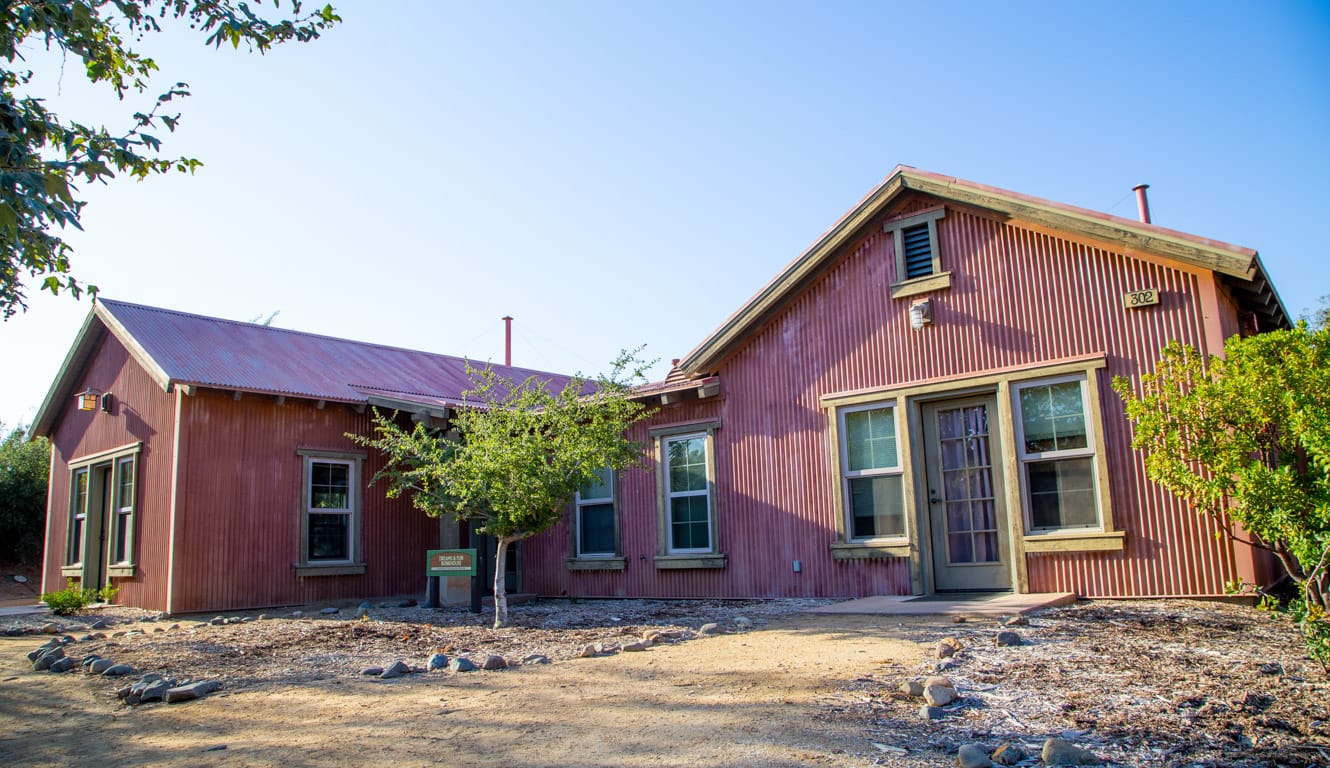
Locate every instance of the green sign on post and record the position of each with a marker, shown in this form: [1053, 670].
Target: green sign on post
[451, 562]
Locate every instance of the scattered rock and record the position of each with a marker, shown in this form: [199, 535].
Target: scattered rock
[331, 610]
[939, 695]
[50, 629]
[494, 662]
[932, 713]
[1008, 637]
[939, 680]
[99, 624]
[153, 690]
[15, 632]
[589, 651]
[217, 621]
[117, 670]
[374, 671]
[460, 664]
[45, 660]
[264, 617]
[436, 662]
[743, 622]
[190, 692]
[1271, 669]
[947, 647]
[215, 748]
[236, 620]
[99, 666]
[398, 669]
[536, 658]
[1060, 752]
[641, 645]
[1016, 621]
[972, 756]
[958, 619]
[710, 628]
[410, 603]
[912, 688]
[63, 665]
[297, 614]
[1009, 754]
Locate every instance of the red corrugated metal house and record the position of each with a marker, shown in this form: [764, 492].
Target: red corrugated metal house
[920, 402]
[211, 470]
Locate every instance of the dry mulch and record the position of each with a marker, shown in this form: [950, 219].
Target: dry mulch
[1140, 683]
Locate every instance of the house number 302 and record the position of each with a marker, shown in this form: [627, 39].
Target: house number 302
[1141, 298]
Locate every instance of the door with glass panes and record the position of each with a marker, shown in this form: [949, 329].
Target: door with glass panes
[966, 513]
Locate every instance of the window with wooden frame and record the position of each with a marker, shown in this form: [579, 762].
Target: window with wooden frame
[330, 514]
[872, 479]
[122, 512]
[686, 477]
[595, 517]
[918, 255]
[78, 517]
[1056, 446]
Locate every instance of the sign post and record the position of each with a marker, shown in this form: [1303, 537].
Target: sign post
[442, 563]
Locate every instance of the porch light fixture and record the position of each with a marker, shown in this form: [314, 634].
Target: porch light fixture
[88, 399]
[921, 314]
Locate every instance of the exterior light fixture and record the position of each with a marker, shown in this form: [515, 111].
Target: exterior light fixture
[921, 314]
[88, 399]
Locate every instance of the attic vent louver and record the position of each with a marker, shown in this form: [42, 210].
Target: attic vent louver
[918, 252]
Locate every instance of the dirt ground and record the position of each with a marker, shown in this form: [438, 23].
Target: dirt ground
[1147, 683]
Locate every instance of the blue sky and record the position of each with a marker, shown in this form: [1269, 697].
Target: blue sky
[617, 174]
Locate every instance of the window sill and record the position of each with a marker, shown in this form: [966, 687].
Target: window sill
[71, 570]
[596, 563]
[1090, 541]
[344, 569]
[939, 282]
[670, 562]
[123, 571]
[864, 550]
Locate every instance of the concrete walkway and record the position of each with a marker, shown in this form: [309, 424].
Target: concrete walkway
[22, 609]
[980, 604]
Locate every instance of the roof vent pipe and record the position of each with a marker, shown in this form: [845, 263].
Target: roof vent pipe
[507, 340]
[1142, 203]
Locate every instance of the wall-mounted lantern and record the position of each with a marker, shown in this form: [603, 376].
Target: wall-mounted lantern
[88, 399]
[921, 314]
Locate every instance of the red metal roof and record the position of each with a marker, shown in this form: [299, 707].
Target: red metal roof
[225, 354]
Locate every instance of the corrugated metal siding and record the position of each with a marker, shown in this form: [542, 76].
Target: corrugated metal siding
[1019, 297]
[238, 527]
[142, 411]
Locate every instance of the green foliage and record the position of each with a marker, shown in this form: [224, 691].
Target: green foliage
[23, 475]
[72, 599]
[518, 453]
[44, 155]
[1247, 436]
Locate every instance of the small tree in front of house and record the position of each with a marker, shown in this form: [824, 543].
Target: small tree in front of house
[1246, 437]
[520, 453]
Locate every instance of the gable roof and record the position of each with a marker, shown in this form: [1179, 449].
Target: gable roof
[1240, 268]
[182, 349]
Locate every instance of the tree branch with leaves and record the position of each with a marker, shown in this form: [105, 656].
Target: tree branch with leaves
[518, 454]
[45, 156]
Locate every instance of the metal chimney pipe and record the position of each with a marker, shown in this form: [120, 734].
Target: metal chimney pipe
[507, 340]
[1142, 203]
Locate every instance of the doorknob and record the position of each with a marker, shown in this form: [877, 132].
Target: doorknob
[933, 499]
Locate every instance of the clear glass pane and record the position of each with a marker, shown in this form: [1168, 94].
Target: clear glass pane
[870, 439]
[121, 553]
[330, 486]
[125, 484]
[328, 537]
[1053, 417]
[600, 488]
[877, 507]
[986, 548]
[958, 517]
[955, 483]
[689, 524]
[688, 467]
[959, 548]
[597, 533]
[984, 515]
[1062, 493]
[953, 454]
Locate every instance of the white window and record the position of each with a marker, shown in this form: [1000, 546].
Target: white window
[871, 474]
[595, 519]
[688, 524]
[330, 495]
[78, 517]
[122, 512]
[1057, 453]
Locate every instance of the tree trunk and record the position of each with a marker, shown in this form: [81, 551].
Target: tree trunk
[500, 588]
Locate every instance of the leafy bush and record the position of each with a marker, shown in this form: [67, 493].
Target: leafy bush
[74, 599]
[1246, 437]
[23, 469]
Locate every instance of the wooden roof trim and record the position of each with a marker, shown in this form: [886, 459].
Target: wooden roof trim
[1226, 259]
[136, 349]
